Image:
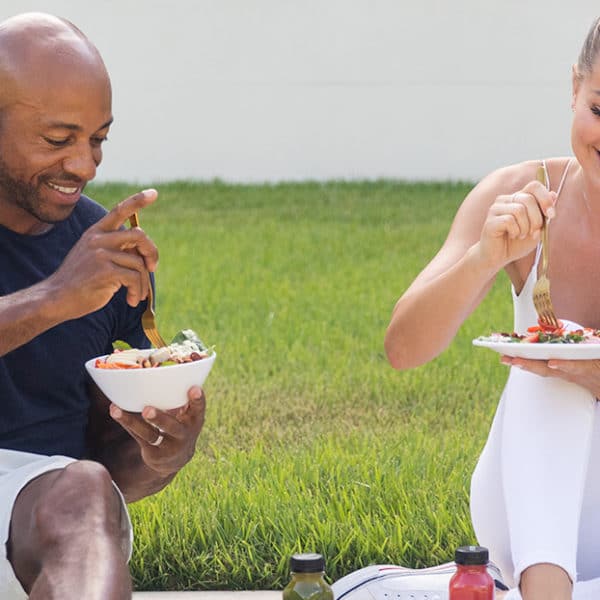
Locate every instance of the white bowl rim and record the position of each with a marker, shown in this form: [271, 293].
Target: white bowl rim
[91, 363]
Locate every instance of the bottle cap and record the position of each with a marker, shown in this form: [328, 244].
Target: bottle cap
[471, 555]
[307, 563]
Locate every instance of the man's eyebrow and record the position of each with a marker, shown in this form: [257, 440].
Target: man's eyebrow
[73, 127]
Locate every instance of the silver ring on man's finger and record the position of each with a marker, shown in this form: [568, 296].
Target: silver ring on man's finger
[158, 441]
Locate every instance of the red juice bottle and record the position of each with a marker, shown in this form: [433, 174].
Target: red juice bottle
[471, 580]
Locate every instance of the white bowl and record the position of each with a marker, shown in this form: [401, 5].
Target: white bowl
[161, 387]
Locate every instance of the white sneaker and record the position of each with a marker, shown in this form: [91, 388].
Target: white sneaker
[392, 582]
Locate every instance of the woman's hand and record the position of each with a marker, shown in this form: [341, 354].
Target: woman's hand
[513, 224]
[585, 373]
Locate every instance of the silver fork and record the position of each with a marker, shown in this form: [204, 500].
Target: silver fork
[148, 316]
[541, 289]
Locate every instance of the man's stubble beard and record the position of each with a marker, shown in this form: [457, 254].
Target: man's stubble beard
[24, 195]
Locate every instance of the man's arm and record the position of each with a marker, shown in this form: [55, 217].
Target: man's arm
[28, 313]
[122, 442]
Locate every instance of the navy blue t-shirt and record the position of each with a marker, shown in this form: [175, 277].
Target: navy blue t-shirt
[43, 384]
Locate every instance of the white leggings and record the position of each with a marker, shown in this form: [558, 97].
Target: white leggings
[535, 493]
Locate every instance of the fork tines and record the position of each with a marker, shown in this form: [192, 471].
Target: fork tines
[153, 335]
[543, 304]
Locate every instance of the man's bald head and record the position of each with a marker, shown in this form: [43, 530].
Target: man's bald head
[42, 49]
[55, 113]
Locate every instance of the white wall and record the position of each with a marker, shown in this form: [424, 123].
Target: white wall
[255, 90]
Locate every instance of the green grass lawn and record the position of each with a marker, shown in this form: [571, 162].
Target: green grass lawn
[312, 441]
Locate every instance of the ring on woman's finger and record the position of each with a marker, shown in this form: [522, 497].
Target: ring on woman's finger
[514, 199]
[520, 197]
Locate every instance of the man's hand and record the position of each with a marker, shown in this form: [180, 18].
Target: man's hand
[178, 427]
[585, 373]
[106, 258]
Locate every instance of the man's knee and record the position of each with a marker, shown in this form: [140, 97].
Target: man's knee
[80, 500]
[66, 512]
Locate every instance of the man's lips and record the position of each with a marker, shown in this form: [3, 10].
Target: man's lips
[64, 189]
[64, 193]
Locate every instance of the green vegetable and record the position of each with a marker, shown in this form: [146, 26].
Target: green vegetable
[567, 338]
[189, 335]
[121, 345]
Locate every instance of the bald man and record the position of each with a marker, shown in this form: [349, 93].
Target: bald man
[72, 281]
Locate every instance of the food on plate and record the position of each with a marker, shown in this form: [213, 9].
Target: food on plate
[185, 347]
[542, 334]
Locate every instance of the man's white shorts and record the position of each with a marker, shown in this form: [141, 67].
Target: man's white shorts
[17, 469]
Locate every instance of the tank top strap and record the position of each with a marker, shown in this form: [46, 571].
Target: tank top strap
[562, 179]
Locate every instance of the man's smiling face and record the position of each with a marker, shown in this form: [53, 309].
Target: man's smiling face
[54, 117]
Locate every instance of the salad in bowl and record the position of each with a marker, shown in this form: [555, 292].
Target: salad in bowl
[186, 347]
[133, 378]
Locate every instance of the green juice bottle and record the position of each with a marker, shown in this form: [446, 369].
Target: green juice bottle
[308, 581]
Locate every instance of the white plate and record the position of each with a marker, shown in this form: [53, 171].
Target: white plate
[543, 351]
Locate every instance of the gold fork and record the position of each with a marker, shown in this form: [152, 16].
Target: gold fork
[541, 289]
[148, 317]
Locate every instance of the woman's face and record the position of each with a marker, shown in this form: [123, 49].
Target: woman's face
[585, 129]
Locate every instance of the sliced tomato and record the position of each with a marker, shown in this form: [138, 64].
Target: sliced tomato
[551, 329]
[534, 328]
[100, 364]
[532, 339]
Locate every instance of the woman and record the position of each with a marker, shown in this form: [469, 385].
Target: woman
[535, 494]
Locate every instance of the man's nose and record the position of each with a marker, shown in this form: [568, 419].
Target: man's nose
[81, 162]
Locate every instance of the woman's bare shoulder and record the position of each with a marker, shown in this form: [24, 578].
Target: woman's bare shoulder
[511, 178]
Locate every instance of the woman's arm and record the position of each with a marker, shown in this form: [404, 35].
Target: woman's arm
[491, 231]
